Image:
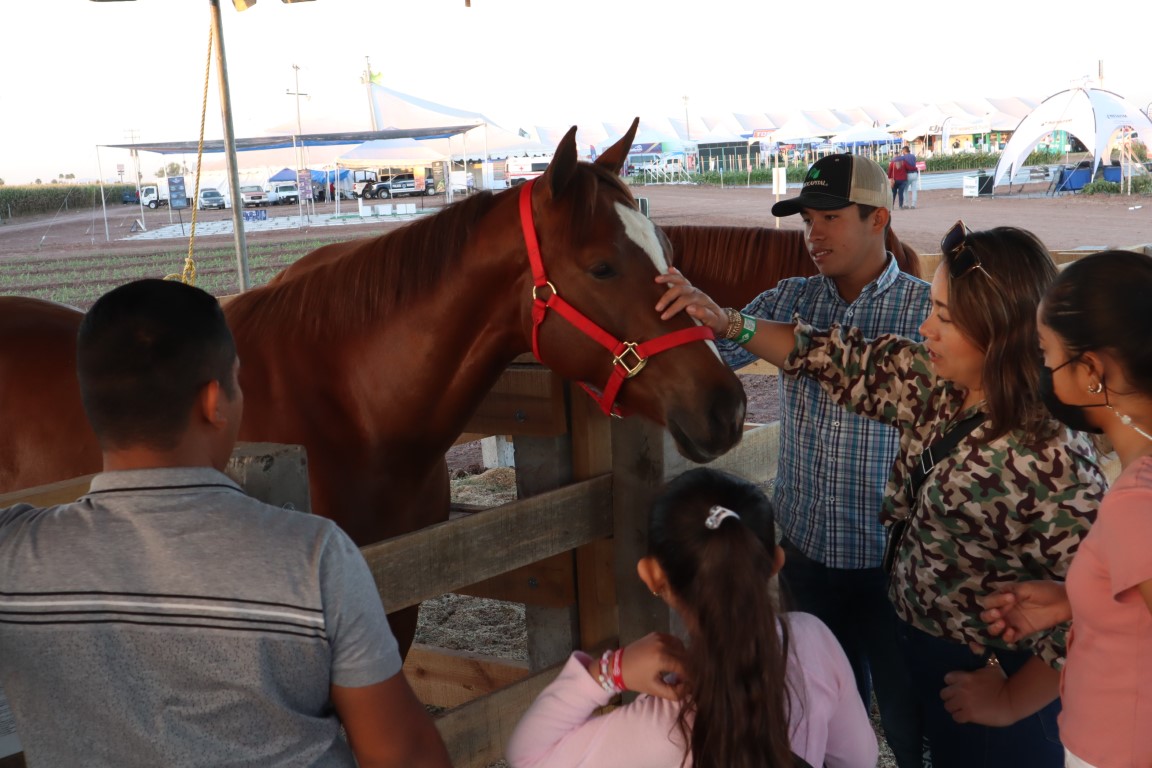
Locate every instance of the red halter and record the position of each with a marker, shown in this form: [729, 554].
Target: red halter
[628, 357]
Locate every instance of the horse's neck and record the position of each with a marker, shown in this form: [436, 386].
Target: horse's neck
[440, 354]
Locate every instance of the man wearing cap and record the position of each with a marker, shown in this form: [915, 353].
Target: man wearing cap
[167, 619]
[833, 464]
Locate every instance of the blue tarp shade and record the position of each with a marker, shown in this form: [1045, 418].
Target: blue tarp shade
[318, 177]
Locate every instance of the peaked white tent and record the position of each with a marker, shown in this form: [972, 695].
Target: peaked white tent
[1092, 115]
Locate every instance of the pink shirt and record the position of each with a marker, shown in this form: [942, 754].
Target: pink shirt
[829, 725]
[1106, 687]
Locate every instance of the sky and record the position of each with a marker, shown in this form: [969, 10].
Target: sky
[81, 74]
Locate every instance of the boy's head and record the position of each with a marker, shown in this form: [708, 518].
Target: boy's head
[145, 352]
[837, 181]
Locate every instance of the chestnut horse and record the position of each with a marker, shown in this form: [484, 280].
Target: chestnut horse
[733, 265]
[375, 358]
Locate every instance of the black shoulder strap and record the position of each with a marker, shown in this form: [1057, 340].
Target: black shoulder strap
[947, 443]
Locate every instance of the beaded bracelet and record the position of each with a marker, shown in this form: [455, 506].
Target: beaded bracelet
[611, 672]
[604, 677]
[735, 323]
[747, 329]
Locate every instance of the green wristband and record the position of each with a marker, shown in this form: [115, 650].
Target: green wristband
[748, 331]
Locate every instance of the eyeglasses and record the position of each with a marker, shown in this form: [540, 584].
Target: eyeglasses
[960, 257]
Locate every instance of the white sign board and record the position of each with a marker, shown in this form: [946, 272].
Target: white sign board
[779, 181]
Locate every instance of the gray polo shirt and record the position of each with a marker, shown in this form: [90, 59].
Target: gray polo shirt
[166, 619]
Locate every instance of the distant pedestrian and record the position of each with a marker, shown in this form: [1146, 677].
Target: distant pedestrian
[898, 177]
[913, 171]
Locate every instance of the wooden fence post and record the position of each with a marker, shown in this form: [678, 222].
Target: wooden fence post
[637, 474]
[543, 464]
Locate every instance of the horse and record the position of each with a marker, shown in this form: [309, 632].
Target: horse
[733, 265]
[374, 357]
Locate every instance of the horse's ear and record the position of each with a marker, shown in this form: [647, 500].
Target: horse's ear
[563, 164]
[613, 158]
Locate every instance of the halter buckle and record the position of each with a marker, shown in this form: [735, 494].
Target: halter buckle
[630, 370]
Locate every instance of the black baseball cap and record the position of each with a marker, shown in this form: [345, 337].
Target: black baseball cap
[837, 181]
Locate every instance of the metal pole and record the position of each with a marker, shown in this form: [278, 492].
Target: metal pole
[230, 150]
[103, 203]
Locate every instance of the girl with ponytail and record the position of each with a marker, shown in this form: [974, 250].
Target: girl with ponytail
[751, 688]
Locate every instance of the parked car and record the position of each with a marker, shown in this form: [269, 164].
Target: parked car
[211, 198]
[399, 185]
[130, 198]
[253, 195]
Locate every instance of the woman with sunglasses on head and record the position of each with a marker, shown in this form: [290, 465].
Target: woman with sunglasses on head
[1096, 338]
[1010, 500]
[753, 688]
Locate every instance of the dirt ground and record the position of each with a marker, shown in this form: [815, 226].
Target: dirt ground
[1063, 223]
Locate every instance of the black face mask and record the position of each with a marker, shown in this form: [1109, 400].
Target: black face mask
[1070, 415]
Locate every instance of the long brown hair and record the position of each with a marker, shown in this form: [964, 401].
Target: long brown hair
[736, 662]
[994, 306]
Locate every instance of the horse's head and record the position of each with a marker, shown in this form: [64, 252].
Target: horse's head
[593, 316]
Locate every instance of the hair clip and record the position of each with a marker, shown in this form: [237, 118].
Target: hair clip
[717, 515]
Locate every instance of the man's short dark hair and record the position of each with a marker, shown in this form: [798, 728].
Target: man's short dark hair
[144, 351]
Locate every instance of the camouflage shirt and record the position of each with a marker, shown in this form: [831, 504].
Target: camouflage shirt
[988, 514]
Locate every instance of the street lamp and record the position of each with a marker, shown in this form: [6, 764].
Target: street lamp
[687, 128]
[229, 135]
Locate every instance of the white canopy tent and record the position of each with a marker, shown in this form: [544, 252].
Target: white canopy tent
[809, 124]
[396, 153]
[1092, 115]
[862, 133]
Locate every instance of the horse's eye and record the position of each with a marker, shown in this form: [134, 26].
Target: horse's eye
[602, 271]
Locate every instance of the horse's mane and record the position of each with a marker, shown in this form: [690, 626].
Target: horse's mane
[371, 277]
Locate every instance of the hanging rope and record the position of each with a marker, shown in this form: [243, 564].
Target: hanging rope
[188, 275]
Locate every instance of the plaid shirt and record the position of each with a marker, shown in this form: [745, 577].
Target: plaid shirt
[833, 464]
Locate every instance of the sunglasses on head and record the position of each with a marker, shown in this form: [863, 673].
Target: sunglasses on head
[961, 259]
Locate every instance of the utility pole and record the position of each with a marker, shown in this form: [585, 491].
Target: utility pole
[687, 129]
[368, 90]
[298, 140]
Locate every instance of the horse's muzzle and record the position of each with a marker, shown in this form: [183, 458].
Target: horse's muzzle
[704, 436]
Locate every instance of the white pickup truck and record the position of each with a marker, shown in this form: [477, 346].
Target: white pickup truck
[282, 193]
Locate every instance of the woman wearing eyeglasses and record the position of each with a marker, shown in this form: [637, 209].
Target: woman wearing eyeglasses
[1010, 501]
[1096, 337]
